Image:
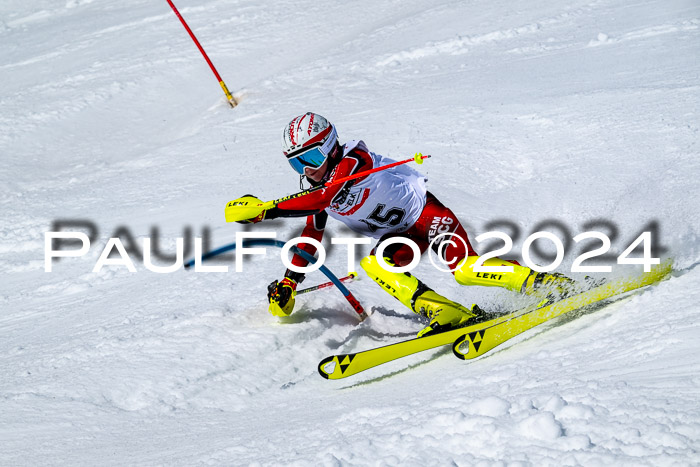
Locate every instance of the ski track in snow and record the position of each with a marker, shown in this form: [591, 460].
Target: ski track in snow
[534, 111]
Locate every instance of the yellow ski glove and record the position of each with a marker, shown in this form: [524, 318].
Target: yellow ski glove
[281, 296]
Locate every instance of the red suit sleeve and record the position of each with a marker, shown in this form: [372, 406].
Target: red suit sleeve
[314, 228]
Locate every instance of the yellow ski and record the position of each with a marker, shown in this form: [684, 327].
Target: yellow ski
[475, 340]
[474, 343]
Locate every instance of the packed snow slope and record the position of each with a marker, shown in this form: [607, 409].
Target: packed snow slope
[540, 115]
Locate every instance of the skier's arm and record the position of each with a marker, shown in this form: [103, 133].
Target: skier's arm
[354, 162]
[314, 228]
[281, 294]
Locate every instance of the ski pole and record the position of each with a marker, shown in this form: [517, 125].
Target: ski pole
[325, 285]
[240, 209]
[356, 305]
[231, 100]
[418, 158]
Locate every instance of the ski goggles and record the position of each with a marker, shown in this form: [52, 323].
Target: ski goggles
[312, 156]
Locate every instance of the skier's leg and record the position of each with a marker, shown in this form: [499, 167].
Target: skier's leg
[521, 279]
[438, 219]
[444, 314]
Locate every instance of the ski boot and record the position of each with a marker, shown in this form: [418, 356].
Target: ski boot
[551, 287]
[521, 279]
[444, 314]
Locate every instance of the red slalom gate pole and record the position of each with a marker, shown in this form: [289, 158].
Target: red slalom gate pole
[231, 99]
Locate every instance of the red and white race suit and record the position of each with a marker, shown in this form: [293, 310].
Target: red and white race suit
[389, 203]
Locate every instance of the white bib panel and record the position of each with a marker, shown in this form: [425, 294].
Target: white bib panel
[389, 201]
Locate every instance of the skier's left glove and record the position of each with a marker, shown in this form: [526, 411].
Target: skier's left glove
[281, 296]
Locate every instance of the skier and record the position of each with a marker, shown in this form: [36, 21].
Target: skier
[382, 205]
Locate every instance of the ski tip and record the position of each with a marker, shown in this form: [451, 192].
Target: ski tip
[337, 366]
[324, 364]
[457, 346]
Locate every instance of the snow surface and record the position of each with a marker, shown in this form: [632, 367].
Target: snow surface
[574, 112]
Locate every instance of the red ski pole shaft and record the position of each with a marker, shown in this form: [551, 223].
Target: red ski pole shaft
[325, 285]
[418, 158]
[230, 97]
[236, 211]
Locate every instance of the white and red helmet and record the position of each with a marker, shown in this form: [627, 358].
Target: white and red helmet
[308, 140]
